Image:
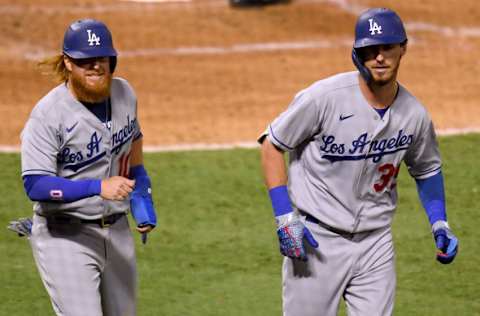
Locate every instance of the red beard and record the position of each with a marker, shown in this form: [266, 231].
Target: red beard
[91, 91]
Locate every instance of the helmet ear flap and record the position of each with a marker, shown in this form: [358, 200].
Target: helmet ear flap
[113, 63]
[358, 62]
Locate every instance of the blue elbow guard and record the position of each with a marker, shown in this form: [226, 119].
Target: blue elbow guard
[141, 203]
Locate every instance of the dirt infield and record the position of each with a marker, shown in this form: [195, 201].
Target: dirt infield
[207, 73]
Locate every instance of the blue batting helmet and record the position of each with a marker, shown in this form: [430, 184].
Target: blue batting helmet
[378, 26]
[89, 38]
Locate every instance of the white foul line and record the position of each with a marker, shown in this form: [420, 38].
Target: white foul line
[238, 48]
[36, 54]
[235, 145]
[157, 1]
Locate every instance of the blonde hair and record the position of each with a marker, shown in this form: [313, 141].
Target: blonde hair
[55, 67]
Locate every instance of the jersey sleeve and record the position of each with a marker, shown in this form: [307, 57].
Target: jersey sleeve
[39, 148]
[299, 122]
[423, 158]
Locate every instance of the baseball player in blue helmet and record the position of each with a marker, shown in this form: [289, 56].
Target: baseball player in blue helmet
[82, 165]
[347, 136]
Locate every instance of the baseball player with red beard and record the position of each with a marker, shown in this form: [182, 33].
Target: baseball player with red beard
[347, 136]
[82, 164]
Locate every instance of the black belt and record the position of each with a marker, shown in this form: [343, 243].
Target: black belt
[337, 231]
[102, 222]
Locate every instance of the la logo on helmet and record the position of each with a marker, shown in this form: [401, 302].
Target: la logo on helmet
[93, 38]
[374, 27]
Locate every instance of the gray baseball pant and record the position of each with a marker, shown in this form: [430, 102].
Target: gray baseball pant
[360, 267]
[86, 269]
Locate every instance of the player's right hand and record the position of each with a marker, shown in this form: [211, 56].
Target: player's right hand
[116, 188]
[291, 232]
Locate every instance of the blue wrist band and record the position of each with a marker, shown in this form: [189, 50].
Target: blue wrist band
[280, 200]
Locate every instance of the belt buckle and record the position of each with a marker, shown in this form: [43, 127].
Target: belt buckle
[104, 224]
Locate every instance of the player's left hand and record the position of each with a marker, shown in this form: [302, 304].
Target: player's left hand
[144, 230]
[291, 233]
[446, 242]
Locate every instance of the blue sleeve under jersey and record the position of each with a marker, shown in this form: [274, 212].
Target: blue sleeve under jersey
[44, 188]
[432, 194]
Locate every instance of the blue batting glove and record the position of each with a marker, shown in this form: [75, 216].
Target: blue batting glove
[291, 232]
[22, 226]
[446, 242]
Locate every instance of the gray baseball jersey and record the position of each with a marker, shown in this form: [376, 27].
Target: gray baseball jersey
[63, 138]
[344, 158]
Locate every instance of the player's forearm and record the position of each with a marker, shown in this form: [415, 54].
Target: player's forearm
[137, 171]
[136, 152]
[275, 173]
[432, 194]
[141, 202]
[273, 165]
[44, 188]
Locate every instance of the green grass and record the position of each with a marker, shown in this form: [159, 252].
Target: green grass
[215, 251]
